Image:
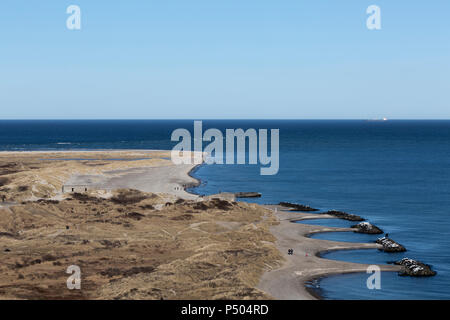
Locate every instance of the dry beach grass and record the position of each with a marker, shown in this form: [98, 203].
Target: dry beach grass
[129, 244]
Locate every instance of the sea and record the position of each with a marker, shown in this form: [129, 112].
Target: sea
[394, 173]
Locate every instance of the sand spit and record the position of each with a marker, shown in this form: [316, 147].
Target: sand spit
[37, 175]
[168, 179]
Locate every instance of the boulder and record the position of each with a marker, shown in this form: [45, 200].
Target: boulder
[344, 215]
[390, 245]
[415, 268]
[366, 227]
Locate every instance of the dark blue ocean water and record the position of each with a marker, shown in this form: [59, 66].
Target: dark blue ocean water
[394, 173]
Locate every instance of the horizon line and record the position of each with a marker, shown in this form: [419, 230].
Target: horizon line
[229, 119]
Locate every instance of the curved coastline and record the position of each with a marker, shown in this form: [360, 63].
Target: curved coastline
[196, 181]
[315, 292]
[294, 277]
[290, 281]
[193, 184]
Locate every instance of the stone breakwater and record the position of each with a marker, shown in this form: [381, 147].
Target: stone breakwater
[297, 207]
[415, 268]
[389, 245]
[410, 267]
[367, 227]
[344, 215]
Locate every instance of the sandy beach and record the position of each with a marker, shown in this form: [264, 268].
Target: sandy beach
[168, 179]
[43, 224]
[44, 174]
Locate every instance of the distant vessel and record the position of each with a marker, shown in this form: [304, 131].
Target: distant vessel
[382, 119]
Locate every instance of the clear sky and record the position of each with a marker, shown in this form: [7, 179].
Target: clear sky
[202, 59]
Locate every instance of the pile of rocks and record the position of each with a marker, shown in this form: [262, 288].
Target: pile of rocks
[366, 227]
[415, 268]
[390, 245]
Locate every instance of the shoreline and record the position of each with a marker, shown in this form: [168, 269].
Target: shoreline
[287, 282]
[337, 267]
[194, 184]
[80, 151]
[157, 173]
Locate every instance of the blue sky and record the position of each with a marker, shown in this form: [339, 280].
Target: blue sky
[202, 59]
